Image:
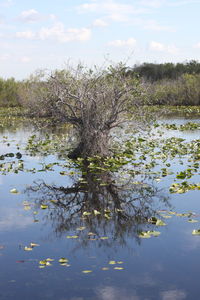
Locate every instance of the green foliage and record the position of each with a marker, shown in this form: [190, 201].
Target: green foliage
[9, 96]
[183, 91]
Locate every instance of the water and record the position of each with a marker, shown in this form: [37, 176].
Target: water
[164, 267]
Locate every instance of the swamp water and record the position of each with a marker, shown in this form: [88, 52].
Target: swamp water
[127, 230]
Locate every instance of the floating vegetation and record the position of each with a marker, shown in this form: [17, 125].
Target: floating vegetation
[148, 234]
[196, 232]
[87, 271]
[30, 247]
[45, 263]
[14, 191]
[43, 206]
[182, 127]
[72, 236]
[85, 213]
[64, 262]
[192, 221]
[34, 245]
[96, 212]
[160, 223]
[112, 262]
[27, 205]
[156, 221]
[183, 187]
[81, 228]
[48, 145]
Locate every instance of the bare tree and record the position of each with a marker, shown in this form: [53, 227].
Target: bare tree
[94, 101]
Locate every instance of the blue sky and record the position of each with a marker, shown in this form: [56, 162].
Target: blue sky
[47, 34]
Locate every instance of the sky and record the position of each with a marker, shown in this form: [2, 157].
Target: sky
[48, 34]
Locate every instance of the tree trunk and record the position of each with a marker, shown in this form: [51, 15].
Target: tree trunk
[92, 142]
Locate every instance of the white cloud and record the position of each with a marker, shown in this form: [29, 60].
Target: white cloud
[172, 49]
[153, 25]
[33, 16]
[6, 3]
[30, 16]
[111, 10]
[155, 46]
[107, 7]
[25, 59]
[114, 293]
[13, 219]
[53, 17]
[119, 17]
[123, 43]
[4, 57]
[150, 25]
[184, 2]
[1, 19]
[59, 33]
[87, 7]
[173, 295]
[160, 3]
[120, 12]
[197, 45]
[100, 23]
[25, 34]
[152, 3]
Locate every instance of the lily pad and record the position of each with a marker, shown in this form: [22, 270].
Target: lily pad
[160, 223]
[28, 248]
[81, 228]
[85, 213]
[14, 191]
[87, 271]
[96, 212]
[34, 245]
[154, 233]
[45, 262]
[144, 235]
[112, 262]
[63, 260]
[196, 232]
[72, 236]
[43, 206]
[192, 221]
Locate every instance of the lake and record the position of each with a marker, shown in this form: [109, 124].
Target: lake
[127, 231]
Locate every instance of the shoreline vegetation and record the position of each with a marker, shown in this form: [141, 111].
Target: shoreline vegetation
[164, 84]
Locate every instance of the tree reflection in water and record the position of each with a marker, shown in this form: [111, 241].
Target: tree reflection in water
[96, 207]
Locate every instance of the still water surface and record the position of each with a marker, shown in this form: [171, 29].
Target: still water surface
[123, 266]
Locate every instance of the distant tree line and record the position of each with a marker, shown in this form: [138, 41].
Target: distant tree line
[153, 72]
